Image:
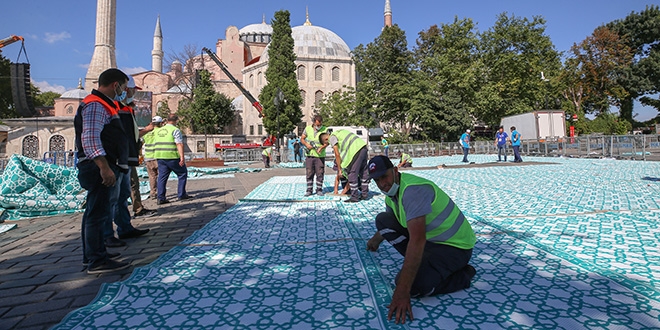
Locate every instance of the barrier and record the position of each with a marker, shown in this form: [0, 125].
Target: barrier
[62, 158]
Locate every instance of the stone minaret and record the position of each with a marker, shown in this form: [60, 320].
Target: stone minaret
[157, 52]
[104, 46]
[388, 13]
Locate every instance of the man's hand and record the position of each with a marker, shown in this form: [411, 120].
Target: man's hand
[182, 162]
[400, 306]
[374, 242]
[108, 176]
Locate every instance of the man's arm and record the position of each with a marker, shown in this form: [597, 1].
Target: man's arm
[400, 304]
[335, 149]
[147, 129]
[303, 140]
[107, 175]
[182, 159]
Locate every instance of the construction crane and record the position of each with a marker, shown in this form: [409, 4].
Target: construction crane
[10, 40]
[245, 92]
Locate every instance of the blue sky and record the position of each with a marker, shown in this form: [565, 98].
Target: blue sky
[59, 35]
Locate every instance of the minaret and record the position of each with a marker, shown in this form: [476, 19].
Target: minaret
[104, 45]
[157, 52]
[388, 13]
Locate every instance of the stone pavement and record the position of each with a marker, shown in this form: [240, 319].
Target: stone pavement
[42, 278]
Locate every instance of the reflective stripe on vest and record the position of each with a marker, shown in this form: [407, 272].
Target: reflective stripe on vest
[349, 145]
[149, 146]
[164, 145]
[315, 140]
[446, 224]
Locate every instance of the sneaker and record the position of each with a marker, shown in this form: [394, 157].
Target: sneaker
[162, 201]
[107, 266]
[309, 193]
[184, 197]
[351, 200]
[320, 193]
[114, 242]
[133, 233]
[109, 254]
[145, 213]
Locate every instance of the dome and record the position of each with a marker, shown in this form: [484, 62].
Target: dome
[261, 28]
[238, 103]
[75, 94]
[315, 41]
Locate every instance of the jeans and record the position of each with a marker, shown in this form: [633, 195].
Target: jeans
[167, 166]
[119, 207]
[501, 149]
[97, 211]
[465, 154]
[443, 268]
[516, 154]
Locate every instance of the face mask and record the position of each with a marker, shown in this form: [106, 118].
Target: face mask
[128, 100]
[393, 190]
[120, 96]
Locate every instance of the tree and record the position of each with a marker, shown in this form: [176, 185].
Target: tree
[597, 65]
[514, 53]
[386, 68]
[208, 112]
[7, 108]
[281, 77]
[45, 99]
[191, 61]
[641, 32]
[449, 65]
[340, 109]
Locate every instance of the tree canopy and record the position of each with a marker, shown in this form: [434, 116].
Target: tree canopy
[208, 112]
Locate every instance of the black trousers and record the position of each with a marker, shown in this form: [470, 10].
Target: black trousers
[444, 268]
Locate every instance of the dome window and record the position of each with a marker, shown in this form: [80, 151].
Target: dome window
[318, 73]
[301, 72]
[335, 74]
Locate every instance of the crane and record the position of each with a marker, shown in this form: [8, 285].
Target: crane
[245, 92]
[10, 40]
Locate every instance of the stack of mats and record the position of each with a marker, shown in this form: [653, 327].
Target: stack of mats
[571, 245]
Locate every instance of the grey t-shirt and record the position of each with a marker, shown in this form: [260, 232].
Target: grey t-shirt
[416, 201]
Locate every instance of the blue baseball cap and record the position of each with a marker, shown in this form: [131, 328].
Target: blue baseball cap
[378, 166]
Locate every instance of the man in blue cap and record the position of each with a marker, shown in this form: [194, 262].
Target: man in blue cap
[428, 229]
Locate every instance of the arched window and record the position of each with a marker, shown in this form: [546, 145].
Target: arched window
[57, 143]
[303, 95]
[318, 97]
[259, 83]
[30, 147]
[301, 72]
[251, 81]
[318, 73]
[335, 74]
[69, 110]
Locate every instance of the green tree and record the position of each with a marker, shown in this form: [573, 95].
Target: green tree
[641, 80]
[514, 53]
[340, 109]
[386, 69]
[281, 76]
[7, 108]
[208, 112]
[45, 99]
[448, 61]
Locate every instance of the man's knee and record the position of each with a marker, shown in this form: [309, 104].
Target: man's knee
[385, 220]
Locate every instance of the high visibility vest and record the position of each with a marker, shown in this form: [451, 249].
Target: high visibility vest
[314, 140]
[164, 145]
[446, 224]
[406, 158]
[149, 146]
[267, 152]
[349, 145]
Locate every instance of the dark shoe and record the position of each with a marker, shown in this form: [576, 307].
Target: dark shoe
[320, 193]
[107, 266]
[309, 193]
[134, 233]
[114, 242]
[470, 272]
[351, 200]
[145, 213]
[184, 197]
[162, 201]
[109, 254]
[365, 198]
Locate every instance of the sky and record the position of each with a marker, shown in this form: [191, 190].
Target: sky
[59, 35]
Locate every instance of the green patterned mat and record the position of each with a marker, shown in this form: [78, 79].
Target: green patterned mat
[565, 246]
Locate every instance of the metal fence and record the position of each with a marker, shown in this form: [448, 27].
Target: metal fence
[62, 158]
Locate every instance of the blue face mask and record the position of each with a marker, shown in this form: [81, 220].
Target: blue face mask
[128, 100]
[120, 96]
[393, 190]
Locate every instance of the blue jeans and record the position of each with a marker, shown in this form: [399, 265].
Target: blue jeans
[465, 154]
[516, 154]
[119, 207]
[165, 167]
[97, 211]
[501, 149]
